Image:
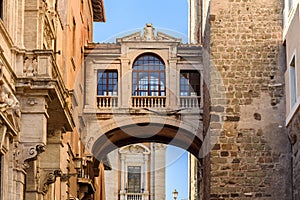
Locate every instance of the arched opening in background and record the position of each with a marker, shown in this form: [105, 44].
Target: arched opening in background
[127, 149]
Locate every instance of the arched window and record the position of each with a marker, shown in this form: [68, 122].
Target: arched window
[148, 76]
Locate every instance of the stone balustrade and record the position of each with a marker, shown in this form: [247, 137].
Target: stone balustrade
[190, 101]
[136, 196]
[107, 101]
[148, 101]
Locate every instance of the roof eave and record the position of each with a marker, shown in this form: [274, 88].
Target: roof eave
[98, 11]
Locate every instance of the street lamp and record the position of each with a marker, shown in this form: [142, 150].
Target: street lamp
[175, 194]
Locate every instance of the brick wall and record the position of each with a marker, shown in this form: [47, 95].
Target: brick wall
[251, 154]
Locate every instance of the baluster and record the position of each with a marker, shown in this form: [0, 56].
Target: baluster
[160, 102]
[137, 102]
[146, 101]
[151, 102]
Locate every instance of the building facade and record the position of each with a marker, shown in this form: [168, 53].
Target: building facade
[138, 172]
[41, 155]
[144, 88]
[291, 42]
[244, 101]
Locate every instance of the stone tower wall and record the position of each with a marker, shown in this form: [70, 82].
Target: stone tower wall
[251, 150]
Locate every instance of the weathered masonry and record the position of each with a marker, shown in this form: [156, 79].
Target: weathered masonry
[251, 152]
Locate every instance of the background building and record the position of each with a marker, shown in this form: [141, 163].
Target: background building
[291, 42]
[41, 53]
[138, 172]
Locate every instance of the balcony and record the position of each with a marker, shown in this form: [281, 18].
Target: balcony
[107, 101]
[148, 101]
[135, 196]
[190, 101]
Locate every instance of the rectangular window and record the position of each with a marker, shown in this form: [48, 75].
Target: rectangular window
[293, 83]
[134, 179]
[189, 83]
[107, 83]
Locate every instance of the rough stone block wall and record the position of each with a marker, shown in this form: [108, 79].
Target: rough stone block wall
[251, 156]
[294, 133]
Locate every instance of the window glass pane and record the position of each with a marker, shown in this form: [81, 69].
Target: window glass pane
[134, 179]
[107, 82]
[189, 83]
[147, 79]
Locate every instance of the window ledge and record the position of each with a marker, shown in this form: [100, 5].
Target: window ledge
[293, 111]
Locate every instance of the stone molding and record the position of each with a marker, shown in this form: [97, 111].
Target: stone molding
[51, 178]
[149, 35]
[28, 152]
[135, 149]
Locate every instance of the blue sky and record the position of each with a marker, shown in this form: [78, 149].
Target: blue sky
[177, 173]
[126, 16]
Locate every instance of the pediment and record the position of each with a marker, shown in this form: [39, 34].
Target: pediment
[148, 35]
[135, 149]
